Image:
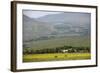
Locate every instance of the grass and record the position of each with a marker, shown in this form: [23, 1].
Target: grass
[58, 42]
[55, 57]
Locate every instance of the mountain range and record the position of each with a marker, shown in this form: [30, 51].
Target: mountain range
[56, 25]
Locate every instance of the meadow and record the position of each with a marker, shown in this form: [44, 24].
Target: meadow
[55, 57]
[75, 41]
[55, 47]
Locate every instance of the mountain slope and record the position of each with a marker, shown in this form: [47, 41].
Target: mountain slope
[70, 23]
[33, 29]
[55, 26]
[68, 17]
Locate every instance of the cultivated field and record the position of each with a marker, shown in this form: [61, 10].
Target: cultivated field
[55, 57]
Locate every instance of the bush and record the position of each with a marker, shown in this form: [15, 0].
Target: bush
[57, 50]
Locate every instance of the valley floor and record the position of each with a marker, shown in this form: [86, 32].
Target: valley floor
[55, 57]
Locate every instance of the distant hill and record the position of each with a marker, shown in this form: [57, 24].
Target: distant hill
[62, 24]
[73, 18]
[55, 25]
[33, 29]
[69, 23]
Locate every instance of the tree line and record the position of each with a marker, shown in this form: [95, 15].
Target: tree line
[68, 49]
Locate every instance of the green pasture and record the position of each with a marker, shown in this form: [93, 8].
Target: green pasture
[59, 42]
[55, 57]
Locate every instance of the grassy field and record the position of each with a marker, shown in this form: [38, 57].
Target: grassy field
[58, 42]
[55, 57]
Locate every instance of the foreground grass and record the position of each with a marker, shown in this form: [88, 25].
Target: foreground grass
[55, 57]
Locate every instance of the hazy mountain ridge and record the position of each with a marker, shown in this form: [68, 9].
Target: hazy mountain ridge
[69, 23]
[69, 17]
[33, 29]
[56, 25]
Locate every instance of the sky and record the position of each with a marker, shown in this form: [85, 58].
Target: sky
[37, 14]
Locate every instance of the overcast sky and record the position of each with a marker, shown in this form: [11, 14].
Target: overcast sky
[37, 14]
